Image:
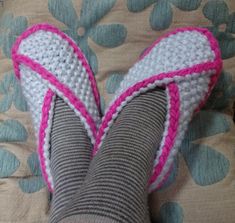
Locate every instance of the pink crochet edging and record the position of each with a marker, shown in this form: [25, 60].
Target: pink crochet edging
[77, 50]
[67, 93]
[171, 132]
[142, 84]
[45, 74]
[217, 64]
[214, 46]
[43, 126]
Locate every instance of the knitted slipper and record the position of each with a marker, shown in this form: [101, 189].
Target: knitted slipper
[187, 63]
[49, 63]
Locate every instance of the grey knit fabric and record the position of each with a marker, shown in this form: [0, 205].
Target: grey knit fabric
[115, 189]
[70, 156]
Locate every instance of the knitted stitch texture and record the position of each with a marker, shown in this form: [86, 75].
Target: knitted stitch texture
[186, 63]
[49, 63]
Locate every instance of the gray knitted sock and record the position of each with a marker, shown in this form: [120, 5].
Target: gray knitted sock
[116, 187]
[70, 156]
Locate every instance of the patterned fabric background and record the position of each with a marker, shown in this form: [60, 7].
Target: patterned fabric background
[112, 34]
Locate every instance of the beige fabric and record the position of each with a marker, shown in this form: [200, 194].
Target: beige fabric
[205, 204]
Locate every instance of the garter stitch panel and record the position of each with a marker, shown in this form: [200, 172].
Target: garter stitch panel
[49, 63]
[186, 63]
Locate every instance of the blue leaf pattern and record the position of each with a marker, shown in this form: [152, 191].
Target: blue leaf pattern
[10, 28]
[187, 5]
[161, 15]
[92, 11]
[11, 90]
[64, 12]
[34, 165]
[206, 165]
[8, 163]
[109, 35]
[171, 212]
[12, 131]
[31, 185]
[138, 6]
[113, 81]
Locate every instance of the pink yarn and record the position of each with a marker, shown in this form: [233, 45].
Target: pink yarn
[214, 46]
[77, 51]
[45, 74]
[173, 93]
[43, 126]
[172, 130]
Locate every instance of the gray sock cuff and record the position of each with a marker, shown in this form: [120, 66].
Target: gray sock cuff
[87, 218]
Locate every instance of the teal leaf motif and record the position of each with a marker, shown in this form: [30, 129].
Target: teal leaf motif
[231, 23]
[32, 184]
[187, 5]
[227, 44]
[90, 55]
[171, 212]
[5, 103]
[138, 6]
[171, 178]
[11, 91]
[6, 21]
[3, 90]
[8, 163]
[1, 39]
[161, 16]
[12, 131]
[206, 165]
[10, 28]
[102, 105]
[64, 12]
[34, 165]
[92, 11]
[113, 82]
[19, 25]
[8, 42]
[18, 97]
[8, 80]
[109, 35]
[217, 11]
[215, 123]
[222, 93]
[72, 33]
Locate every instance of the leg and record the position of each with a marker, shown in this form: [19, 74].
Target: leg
[70, 156]
[116, 187]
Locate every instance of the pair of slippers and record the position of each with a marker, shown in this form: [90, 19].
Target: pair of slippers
[185, 62]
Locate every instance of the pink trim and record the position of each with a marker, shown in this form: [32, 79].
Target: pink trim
[77, 50]
[216, 64]
[142, 84]
[42, 134]
[172, 130]
[214, 46]
[45, 74]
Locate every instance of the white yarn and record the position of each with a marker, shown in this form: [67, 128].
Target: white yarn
[34, 91]
[176, 52]
[57, 56]
[188, 104]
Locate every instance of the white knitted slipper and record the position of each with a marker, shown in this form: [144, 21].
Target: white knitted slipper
[187, 63]
[49, 63]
